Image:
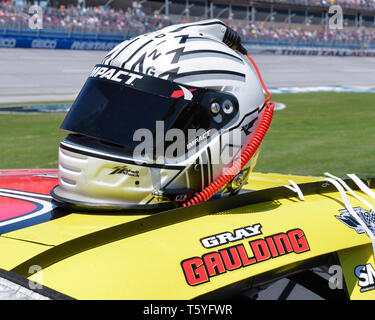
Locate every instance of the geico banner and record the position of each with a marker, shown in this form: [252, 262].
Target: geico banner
[301, 51]
[57, 43]
[8, 42]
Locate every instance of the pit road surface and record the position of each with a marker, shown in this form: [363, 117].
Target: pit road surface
[58, 75]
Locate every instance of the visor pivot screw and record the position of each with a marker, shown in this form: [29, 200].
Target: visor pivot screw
[228, 106]
[215, 107]
[158, 194]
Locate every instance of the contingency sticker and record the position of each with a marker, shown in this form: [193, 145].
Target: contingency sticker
[368, 217]
[366, 277]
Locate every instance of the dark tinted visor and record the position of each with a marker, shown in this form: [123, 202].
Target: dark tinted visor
[114, 104]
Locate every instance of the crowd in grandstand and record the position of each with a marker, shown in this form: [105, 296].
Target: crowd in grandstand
[257, 31]
[134, 21]
[361, 4]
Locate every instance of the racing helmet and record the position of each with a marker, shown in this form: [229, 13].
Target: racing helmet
[174, 116]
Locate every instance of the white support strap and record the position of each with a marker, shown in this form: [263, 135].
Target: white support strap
[362, 186]
[366, 203]
[295, 188]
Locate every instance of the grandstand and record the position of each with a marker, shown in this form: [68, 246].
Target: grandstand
[271, 22]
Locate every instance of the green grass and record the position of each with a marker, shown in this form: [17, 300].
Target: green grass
[317, 132]
[30, 140]
[33, 103]
[321, 132]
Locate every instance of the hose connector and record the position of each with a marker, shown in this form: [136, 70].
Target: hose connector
[233, 40]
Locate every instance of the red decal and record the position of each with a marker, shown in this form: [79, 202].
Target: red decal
[179, 93]
[32, 180]
[214, 264]
[246, 261]
[199, 270]
[11, 208]
[298, 241]
[231, 258]
[272, 247]
[282, 243]
[195, 271]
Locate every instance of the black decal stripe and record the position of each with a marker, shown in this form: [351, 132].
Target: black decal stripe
[210, 164]
[204, 167]
[197, 25]
[118, 159]
[170, 217]
[243, 119]
[149, 201]
[212, 51]
[119, 52]
[135, 52]
[203, 72]
[170, 181]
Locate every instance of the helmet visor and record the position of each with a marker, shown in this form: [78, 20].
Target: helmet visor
[112, 111]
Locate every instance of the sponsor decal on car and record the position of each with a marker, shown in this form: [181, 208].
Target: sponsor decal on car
[237, 234]
[366, 277]
[199, 270]
[368, 217]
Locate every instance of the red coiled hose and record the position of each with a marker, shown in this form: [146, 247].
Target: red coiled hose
[246, 155]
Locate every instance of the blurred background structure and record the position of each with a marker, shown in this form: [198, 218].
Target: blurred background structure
[259, 22]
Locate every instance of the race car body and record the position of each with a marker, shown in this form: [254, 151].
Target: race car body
[280, 226]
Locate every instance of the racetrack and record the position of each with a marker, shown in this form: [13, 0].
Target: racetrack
[57, 75]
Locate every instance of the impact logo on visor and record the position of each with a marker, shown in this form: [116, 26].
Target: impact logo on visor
[113, 74]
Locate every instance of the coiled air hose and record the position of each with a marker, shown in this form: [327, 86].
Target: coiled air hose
[249, 151]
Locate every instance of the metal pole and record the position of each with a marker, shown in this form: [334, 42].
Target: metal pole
[212, 10]
[166, 7]
[230, 13]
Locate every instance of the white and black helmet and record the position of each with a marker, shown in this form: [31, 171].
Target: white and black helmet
[162, 119]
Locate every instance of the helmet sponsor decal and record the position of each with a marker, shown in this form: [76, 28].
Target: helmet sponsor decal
[125, 170]
[368, 217]
[199, 270]
[114, 74]
[366, 277]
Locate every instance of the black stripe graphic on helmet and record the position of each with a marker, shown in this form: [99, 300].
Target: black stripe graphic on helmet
[194, 52]
[170, 74]
[207, 72]
[183, 37]
[93, 153]
[135, 52]
[177, 54]
[120, 51]
[218, 22]
[210, 164]
[155, 54]
[139, 63]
